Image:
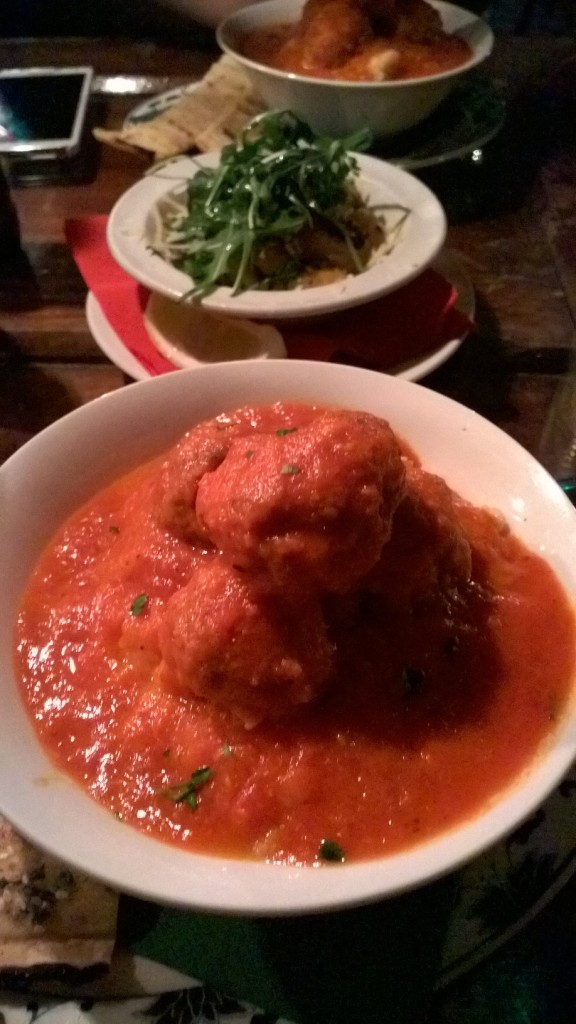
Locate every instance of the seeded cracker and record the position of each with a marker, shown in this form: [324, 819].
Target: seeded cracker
[206, 119]
[52, 918]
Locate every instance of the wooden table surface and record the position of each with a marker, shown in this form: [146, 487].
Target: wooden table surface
[512, 223]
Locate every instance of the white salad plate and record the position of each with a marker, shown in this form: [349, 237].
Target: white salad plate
[134, 231]
[118, 350]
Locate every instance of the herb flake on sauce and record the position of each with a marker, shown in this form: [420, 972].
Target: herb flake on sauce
[139, 604]
[187, 792]
[289, 470]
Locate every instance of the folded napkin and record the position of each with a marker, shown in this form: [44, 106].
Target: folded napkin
[395, 329]
[376, 964]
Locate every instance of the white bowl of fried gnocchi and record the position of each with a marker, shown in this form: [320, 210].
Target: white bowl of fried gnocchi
[339, 77]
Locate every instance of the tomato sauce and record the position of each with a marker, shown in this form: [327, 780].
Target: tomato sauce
[279, 47]
[431, 711]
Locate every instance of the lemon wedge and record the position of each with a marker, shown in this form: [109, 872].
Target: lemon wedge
[191, 336]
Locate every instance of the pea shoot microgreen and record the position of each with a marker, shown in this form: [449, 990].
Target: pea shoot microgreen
[269, 185]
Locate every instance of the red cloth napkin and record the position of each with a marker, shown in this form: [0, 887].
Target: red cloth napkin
[398, 328]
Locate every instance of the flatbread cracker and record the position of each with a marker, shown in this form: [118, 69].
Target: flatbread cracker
[210, 117]
[50, 915]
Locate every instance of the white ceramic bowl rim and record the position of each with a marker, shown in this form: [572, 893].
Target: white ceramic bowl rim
[480, 52]
[51, 475]
[419, 242]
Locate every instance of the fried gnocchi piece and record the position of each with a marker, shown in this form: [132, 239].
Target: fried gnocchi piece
[309, 508]
[332, 30]
[255, 654]
[428, 552]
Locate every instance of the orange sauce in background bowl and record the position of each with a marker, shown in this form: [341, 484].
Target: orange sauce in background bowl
[278, 47]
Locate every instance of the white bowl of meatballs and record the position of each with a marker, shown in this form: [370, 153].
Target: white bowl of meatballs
[286, 636]
[345, 64]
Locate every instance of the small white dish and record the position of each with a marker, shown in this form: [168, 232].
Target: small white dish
[447, 264]
[133, 230]
[153, 106]
[190, 336]
[68, 462]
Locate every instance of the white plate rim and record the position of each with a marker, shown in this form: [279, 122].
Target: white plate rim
[447, 264]
[157, 104]
[421, 240]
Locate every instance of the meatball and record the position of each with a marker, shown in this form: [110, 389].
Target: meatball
[428, 552]
[331, 31]
[224, 640]
[200, 451]
[309, 508]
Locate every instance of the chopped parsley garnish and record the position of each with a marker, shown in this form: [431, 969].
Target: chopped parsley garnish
[187, 792]
[249, 454]
[114, 529]
[276, 180]
[282, 431]
[227, 750]
[139, 604]
[289, 470]
[331, 851]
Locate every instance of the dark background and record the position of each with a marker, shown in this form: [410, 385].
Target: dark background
[151, 19]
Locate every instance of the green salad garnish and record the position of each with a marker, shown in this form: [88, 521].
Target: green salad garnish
[239, 222]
